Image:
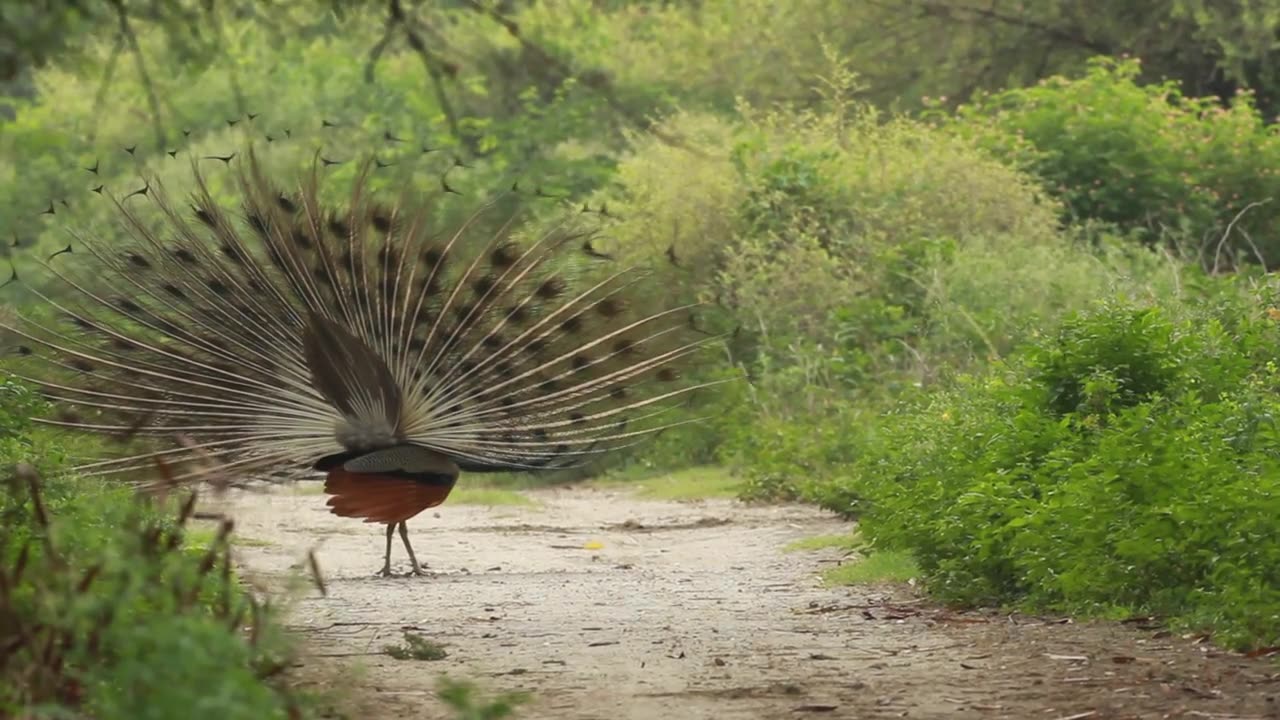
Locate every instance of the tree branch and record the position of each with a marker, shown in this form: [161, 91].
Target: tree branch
[956, 12]
[596, 80]
[126, 31]
[108, 74]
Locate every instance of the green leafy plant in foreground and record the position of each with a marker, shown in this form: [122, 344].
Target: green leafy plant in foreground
[108, 609]
[462, 698]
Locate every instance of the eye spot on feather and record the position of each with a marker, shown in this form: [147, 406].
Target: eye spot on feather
[561, 449]
[24, 351]
[610, 307]
[286, 203]
[541, 434]
[581, 362]
[185, 256]
[380, 219]
[339, 227]
[139, 261]
[174, 290]
[81, 364]
[504, 256]
[217, 287]
[463, 311]
[518, 315]
[536, 345]
[492, 341]
[128, 306]
[550, 288]
[667, 374]
[618, 393]
[626, 346]
[505, 371]
[258, 223]
[205, 216]
[301, 239]
[232, 254]
[572, 324]
[433, 257]
[275, 256]
[549, 385]
[483, 284]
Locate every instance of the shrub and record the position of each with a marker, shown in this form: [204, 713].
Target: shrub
[1144, 157]
[855, 258]
[1125, 463]
[108, 608]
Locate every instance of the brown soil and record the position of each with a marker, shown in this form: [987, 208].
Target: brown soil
[694, 610]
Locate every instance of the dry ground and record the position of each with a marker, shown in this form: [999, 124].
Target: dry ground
[606, 606]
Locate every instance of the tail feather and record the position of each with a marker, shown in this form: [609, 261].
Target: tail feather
[291, 329]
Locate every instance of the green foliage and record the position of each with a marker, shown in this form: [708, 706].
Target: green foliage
[1144, 157]
[855, 259]
[887, 566]
[463, 698]
[1123, 464]
[107, 607]
[416, 647]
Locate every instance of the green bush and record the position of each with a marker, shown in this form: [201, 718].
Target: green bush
[109, 608]
[1124, 464]
[1144, 157]
[859, 258]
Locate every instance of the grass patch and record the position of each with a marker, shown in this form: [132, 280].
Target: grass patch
[697, 483]
[850, 542]
[200, 537]
[880, 567]
[416, 647]
[489, 496]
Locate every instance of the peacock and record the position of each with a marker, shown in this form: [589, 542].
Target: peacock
[282, 335]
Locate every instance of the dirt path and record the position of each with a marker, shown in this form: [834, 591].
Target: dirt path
[693, 610]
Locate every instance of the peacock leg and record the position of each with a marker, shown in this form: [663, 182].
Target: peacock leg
[386, 565]
[404, 536]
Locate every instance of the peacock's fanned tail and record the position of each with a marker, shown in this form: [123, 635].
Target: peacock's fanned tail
[266, 336]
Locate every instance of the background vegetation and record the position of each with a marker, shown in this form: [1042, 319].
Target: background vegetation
[995, 275]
